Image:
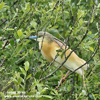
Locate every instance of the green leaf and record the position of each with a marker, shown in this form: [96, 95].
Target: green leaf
[9, 29]
[15, 81]
[2, 96]
[79, 2]
[26, 65]
[33, 23]
[1, 43]
[47, 96]
[22, 80]
[62, 54]
[53, 31]
[19, 32]
[1, 5]
[28, 76]
[59, 50]
[89, 43]
[91, 20]
[27, 6]
[23, 71]
[91, 48]
[81, 22]
[39, 86]
[1, 68]
[43, 90]
[80, 13]
[52, 4]
[19, 48]
[12, 42]
[19, 80]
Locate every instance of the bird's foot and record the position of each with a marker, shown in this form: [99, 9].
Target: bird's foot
[63, 80]
[60, 83]
[57, 88]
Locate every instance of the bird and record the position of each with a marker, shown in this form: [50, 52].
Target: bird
[50, 46]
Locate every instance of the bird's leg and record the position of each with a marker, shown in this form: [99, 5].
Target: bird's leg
[84, 82]
[63, 79]
[67, 74]
[85, 87]
[62, 76]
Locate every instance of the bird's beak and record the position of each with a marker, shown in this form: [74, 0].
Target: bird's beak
[31, 37]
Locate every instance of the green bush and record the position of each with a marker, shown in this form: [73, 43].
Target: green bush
[22, 66]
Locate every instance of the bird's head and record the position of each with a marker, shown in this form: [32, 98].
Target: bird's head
[42, 36]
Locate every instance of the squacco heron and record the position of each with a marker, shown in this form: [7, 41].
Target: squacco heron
[50, 45]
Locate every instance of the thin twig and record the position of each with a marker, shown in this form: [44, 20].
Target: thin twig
[2, 62]
[63, 18]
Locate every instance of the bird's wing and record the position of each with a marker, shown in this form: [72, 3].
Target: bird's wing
[60, 43]
[73, 62]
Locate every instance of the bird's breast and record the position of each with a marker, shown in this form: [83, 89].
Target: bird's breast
[46, 50]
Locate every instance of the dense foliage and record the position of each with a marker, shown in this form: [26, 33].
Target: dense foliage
[21, 64]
